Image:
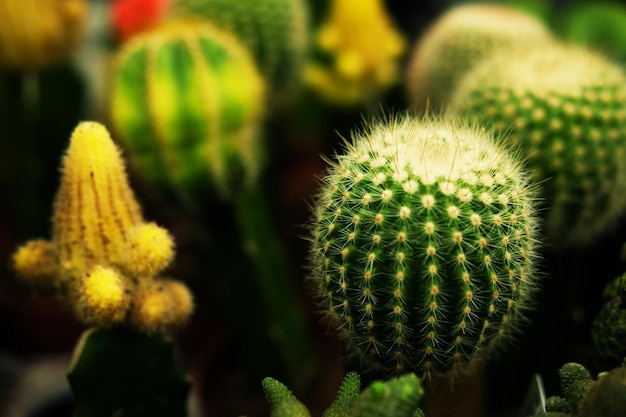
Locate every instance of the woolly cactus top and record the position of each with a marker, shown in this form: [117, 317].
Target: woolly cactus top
[423, 237]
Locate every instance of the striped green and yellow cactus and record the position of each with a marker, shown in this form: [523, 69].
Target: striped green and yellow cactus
[275, 31]
[187, 102]
[463, 36]
[423, 242]
[564, 107]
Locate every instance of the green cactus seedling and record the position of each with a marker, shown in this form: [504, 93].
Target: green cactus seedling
[275, 31]
[187, 102]
[564, 106]
[462, 37]
[423, 238]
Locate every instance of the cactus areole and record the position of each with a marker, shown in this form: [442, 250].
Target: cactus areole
[423, 240]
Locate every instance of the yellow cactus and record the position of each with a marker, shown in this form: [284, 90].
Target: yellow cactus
[94, 206]
[103, 256]
[103, 298]
[365, 48]
[150, 250]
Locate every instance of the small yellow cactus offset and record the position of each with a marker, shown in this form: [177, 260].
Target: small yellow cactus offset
[364, 47]
[103, 254]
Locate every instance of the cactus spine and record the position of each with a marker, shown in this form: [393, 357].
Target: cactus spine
[564, 106]
[423, 238]
[182, 108]
[461, 38]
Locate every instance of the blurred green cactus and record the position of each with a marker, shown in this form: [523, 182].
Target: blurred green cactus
[459, 39]
[398, 397]
[423, 240]
[275, 31]
[187, 102]
[564, 109]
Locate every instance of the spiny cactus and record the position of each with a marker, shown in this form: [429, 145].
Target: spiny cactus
[423, 240]
[103, 254]
[187, 102]
[275, 31]
[564, 106]
[359, 53]
[608, 332]
[397, 397]
[462, 37]
[36, 33]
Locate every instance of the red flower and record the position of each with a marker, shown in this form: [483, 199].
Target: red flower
[130, 17]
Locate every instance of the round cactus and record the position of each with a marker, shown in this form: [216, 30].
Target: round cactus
[423, 241]
[36, 33]
[187, 102]
[275, 31]
[565, 107]
[462, 37]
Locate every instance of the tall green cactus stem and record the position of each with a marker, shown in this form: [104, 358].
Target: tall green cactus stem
[423, 241]
[461, 38]
[565, 108]
[398, 397]
[187, 102]
[275, 31]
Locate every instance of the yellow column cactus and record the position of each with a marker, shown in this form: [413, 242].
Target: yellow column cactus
[364, 47]
[103, 254]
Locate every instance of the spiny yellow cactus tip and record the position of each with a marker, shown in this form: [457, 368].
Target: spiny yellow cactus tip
[36, 262]
[104, 297]
[161, 305]
[150, 250]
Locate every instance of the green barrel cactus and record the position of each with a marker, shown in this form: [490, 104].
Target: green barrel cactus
[608, 332]
[187, 102]
[423, 239]
[564, 108]
[460, 38]
[275, 31]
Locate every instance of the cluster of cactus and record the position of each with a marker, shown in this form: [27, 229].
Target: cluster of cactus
[562, 107]
[363, 48]
[608, 332]
[464, 36]
[276, 32]
[104, 259]
[585, 397]
[36, 33]
[423, 240]
[398, 397]
[188, 102]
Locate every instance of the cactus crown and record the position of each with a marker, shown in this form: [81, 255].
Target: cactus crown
[423, 240]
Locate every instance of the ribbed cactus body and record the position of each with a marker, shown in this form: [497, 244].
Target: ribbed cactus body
[36, 33]
[564, 108]
[187, 103]
[459, 39]
[422, 245]
[275, 31]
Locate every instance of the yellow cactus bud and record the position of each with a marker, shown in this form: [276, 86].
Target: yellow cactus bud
[161, 305]
[150, 250]
[94, 206]
[36, 262]
[104, 297]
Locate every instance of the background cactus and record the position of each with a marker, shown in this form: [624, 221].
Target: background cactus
[564, 108]
[275, 31]
[398, 397]
[187, 101]
[608, 332]
[423, 238]
[462, 37]
[36, 33]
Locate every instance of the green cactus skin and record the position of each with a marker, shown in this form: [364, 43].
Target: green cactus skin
[117, 371]
[608, 333]
[187, 102]
[607, 396]
[423, 239]
[275, 31]
[558, 404]
[462, 37]
[564, 106]
[398, 397]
